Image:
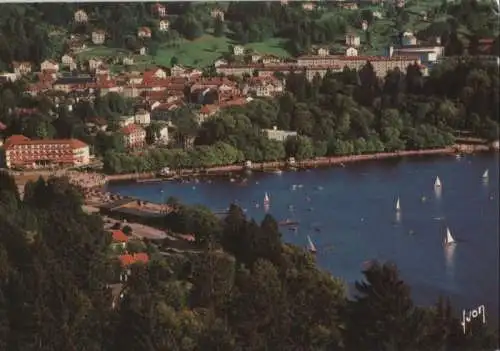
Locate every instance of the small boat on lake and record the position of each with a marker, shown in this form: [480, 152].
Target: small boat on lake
[485, 175]
[398, 205]
[448, 240]
[267, 201]
[288, 222]
[310, 245]
[437, 183]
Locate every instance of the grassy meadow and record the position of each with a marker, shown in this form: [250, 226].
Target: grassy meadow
[199, 53]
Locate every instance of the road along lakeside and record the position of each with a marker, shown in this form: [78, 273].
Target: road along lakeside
[305, 164]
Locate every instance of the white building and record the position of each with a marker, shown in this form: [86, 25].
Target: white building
[142, 117]
[238, 50]
[98, 37]
[352, 40]
[409, 39]
[81, 16]
[164, 25]
[164, 136]
[424, 54]
[351, 52]
[49, 65]
[278, 135]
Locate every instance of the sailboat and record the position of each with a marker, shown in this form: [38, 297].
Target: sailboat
[449, 239]
[398, 206]
[437, 183]
[485, 174]
[266, 199]
[311, 246]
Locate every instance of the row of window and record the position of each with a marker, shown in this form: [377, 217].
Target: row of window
[44, 152]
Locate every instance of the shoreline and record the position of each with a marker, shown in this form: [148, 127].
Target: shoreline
[272, 167]
[225, 171]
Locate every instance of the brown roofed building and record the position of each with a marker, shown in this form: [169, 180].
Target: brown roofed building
[21, 151]
[133, 136]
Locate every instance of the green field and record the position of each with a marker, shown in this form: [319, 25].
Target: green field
[101, 51]
[197, 53]
[272, 46]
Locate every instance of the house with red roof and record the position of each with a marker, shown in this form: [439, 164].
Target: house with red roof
[128, 260]
[239, 101]
[21, 151]
[21, 68]
[120, 240]
[207, 111]
[153, 75]
[264, 86]
[159, 10]
[134, 136]
[144, 32]
[49, 66]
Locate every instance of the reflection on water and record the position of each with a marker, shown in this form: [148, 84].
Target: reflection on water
[449, 255]
[438, 191]
[266, 207]
[398, 217]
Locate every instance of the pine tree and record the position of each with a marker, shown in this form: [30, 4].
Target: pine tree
[219, 27]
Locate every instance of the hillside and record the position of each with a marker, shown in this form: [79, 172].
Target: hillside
[195, 34]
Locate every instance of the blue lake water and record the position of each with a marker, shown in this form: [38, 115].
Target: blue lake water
[350, 215]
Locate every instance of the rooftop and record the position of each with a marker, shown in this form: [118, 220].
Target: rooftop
[119, 236]
[129, 259]
[15, 140]
[131, 128]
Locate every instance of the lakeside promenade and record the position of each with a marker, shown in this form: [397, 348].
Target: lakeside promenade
[92, 181]
[305, 164]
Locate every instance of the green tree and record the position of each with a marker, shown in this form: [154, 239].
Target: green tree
[219, 27]
[395, 326]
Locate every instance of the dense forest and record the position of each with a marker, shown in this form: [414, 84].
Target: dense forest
[35, 32]
[341, 114]
[243, 289]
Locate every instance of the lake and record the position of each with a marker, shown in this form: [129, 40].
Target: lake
[349, 212]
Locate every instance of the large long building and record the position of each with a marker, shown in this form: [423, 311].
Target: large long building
[21, 151]
[320, 64]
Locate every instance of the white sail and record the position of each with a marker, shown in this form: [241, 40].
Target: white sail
[437, 183]
[266, 198]
[312, 248]
[485, 174]
[449, 239]
[398, 206]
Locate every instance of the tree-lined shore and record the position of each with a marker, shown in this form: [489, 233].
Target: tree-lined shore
[279, 165]
[242, 289]
[341, 114]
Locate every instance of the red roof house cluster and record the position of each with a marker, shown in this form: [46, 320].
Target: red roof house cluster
[129, 259]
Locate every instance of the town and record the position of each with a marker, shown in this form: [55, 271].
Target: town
[142, 145]
[233, 80]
